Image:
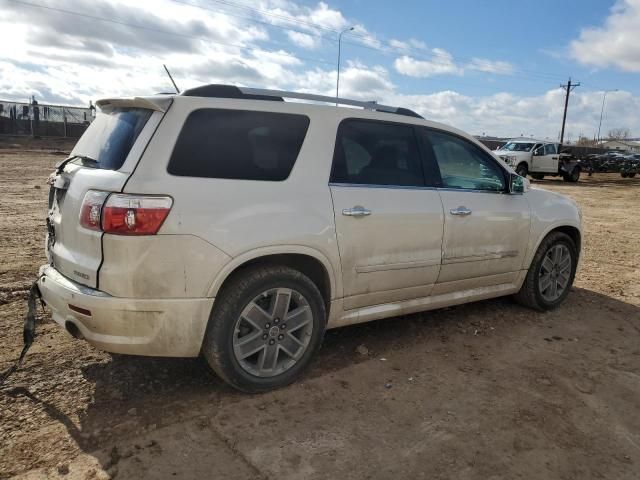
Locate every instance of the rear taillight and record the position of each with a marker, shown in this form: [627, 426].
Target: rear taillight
[91, 209]
[124, 214]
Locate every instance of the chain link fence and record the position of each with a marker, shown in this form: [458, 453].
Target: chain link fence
[42, 120]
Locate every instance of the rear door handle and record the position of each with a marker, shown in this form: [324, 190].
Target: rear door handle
[357, 211]
[460, 211]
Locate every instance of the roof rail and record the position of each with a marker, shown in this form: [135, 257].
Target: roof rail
[370, 105]
[230, 91]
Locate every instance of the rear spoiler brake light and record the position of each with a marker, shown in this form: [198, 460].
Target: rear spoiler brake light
[158, 104]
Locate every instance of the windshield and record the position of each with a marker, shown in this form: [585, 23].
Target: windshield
[109, 138]
[518, 147]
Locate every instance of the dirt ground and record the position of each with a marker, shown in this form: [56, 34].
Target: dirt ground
[482, 391]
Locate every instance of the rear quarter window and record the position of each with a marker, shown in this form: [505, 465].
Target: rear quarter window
[238, 144]
[111, 136]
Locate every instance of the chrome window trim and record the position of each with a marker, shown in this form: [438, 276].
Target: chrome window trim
[371, 185]
[403, 187]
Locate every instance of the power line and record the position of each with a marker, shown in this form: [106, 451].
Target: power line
[385, 46]
[253, 19]
[449, 59]
[286, 18]
[165, 32]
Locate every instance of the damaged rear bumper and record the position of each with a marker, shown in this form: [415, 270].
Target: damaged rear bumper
[157, 327]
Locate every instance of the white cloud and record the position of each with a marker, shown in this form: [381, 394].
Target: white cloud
[399, 44]
[505, 114]
[412, 43]
[498, 67]
[97, 59]
[304, 40]
[307, 25]
[614, 44]
[327, 17]
[442, 64]
[69, 59]
[356, 81]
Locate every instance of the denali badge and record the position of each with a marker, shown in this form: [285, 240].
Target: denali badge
[81, 275]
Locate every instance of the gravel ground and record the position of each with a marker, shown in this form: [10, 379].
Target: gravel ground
[487, 390]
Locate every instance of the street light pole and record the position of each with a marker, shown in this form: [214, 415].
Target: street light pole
[339, 51]
[604, 97]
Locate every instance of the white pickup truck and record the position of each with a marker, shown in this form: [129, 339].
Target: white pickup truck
[538, 158]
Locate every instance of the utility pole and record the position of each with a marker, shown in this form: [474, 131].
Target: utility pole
[568, 87]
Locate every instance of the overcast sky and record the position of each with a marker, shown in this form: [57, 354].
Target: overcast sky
[486, 67]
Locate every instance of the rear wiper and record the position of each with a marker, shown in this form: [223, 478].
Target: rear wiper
[84, 158]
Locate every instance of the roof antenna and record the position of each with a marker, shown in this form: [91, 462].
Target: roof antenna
[169, 73]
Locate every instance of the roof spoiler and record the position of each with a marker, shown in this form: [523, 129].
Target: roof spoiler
[159, 104]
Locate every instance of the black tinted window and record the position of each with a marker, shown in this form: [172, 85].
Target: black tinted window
[110, 137]
[238, 144]
[376, 153]
[464, 165]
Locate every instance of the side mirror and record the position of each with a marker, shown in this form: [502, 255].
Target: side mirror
[516, 183]
[537, 152]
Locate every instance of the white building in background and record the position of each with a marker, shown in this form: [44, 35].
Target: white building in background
[622, 145]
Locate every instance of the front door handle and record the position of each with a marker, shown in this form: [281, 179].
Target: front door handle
[357, 211]
[460, 211]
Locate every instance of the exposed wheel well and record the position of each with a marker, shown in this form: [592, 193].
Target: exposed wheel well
[311, 267]
[573, 233]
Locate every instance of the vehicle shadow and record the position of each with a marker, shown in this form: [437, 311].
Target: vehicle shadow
[136, 397]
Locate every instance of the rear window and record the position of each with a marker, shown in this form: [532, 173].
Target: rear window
[238, 144]
[110, 137]
[376, 153]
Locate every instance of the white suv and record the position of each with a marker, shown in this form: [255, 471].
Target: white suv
[228, 222]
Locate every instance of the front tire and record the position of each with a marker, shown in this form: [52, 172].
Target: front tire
[550, 274]
[265, 327]
[522, 170]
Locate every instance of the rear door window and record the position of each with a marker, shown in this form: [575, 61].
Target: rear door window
[376, 153]
[110, 137]
[238, 144]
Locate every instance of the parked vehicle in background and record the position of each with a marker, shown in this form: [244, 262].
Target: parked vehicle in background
[539, 159]
[630, 166]
[227, 222]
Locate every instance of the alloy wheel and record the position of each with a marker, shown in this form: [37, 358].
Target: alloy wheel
[555, 272]
[273, 332]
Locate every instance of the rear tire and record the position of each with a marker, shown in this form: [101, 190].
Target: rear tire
[261, 310]
[624, 174]
[572, 177]
[631, 175]
[550, 274]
